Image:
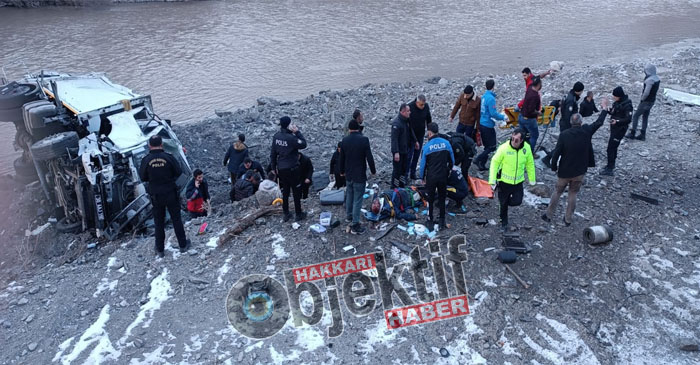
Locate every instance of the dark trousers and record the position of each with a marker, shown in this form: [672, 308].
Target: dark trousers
[353, 200]
[305, 190]
[290, 179]
[467, 130]
[171, 202]
[441, 186]
[509, 196]
[642, 110]
[233, 178]
[398, 173]
[339, 181]
[616, 136]
[488, 138]
[414, 154]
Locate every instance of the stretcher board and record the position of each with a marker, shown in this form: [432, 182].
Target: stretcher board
[546, 117]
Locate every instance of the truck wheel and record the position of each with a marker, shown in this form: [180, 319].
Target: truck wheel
[54, 146]
[25, 173]
[64, 226]
[14, 95]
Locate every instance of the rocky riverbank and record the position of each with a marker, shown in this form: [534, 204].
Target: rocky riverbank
[42, 3]
[636, 299]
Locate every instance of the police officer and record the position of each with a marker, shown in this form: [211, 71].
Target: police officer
[435, 167]
[284, 159]
[160, 170]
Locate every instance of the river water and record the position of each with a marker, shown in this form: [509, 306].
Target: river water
[199, 56]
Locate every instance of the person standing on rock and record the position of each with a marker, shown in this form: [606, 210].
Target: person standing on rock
[571, 158]
[570, 106]
[284, 160]
[487, 127]
[160, 170]
[651, 87]
[435, 167]
[359, 118]
[469, 107]
[528, 76]
[237, 152]
[531, 110]
[620, 117]
[508, 168]
[403, 142]
[355, 155]
[419, 119]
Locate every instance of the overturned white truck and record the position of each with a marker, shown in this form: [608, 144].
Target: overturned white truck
[83, 138]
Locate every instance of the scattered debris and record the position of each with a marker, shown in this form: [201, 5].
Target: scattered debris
[690, 348]
[383, 234]
[644, 198]
[597, 234]
[523, 283]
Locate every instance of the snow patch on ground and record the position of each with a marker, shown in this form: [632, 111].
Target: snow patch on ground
[155, 357]
[378, 334]
[96, 333]
[223, 270]
[463, 354]
[568, 348]
[214, 241]
[488, 282]
[277, 248]
[160, 286]
[104, 285]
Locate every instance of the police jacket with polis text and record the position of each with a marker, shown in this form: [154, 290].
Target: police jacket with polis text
[160, 170]
[437, 160]
[284, 153]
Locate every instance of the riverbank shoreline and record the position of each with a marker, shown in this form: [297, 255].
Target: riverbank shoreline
[76, 3]
[586, 304]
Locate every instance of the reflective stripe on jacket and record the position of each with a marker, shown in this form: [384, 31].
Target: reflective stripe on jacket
[511, 164]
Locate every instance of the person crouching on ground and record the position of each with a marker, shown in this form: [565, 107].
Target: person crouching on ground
[197, 194]
[335, 176]
[508, 167]
[435, 167]
[576, 151]
[268, 190]
[246, 186]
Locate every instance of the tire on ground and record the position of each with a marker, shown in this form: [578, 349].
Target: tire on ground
[54, 146]
[63, 226]
[25, 173]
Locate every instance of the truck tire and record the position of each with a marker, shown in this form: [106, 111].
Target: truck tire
[25, 173]
[34, 113]
[14, 95]
[54, 146]
[63, 226]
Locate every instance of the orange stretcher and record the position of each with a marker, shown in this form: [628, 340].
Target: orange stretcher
[480, 188]
[544, 119]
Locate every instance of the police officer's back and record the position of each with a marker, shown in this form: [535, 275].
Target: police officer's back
[284, 158]
[160, 170]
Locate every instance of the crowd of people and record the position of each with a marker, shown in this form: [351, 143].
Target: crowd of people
[445, 158]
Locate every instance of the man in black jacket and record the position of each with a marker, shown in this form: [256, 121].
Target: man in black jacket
[247, 165]
[161, 170]
[418, 120]
[587, 107]
[620, 117]
[355, 155]
[570, 106]
[306, 169]
[335, 168]
[284, 160]
[245, 186]
[575, 148]
[403, 142]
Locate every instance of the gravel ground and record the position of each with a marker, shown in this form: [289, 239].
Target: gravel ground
[634, 300]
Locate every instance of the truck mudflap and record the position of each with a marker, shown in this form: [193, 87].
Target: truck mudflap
[127, 216]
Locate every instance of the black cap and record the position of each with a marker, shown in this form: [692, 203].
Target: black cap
[354, 125]
[578, 86]
[285, 121]
[155, 141]
[433, 127]
[618, 92]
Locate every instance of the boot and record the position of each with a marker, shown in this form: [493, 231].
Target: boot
[642, 135]
[631, 134]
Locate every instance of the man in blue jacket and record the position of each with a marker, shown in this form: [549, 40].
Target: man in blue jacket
[487, 125]
[435, 167]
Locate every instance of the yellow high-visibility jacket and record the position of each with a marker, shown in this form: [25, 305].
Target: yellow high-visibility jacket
[512, 164]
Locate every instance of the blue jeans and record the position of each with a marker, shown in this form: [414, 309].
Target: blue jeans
[530, 125]
[353, 199]
[488, 138]
[467, 130]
